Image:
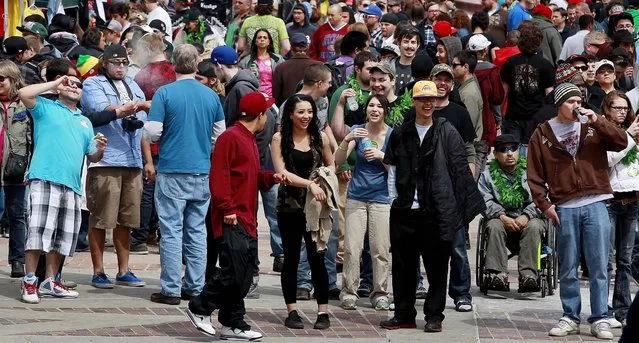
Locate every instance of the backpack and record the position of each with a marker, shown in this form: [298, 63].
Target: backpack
[338, 75]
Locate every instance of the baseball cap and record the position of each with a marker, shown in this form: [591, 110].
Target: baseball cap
[505, 139]
[372, 10]
[114, 26]
[34, 28]
[384, 68]
[542, 10]
[224, 55]
[575, 58]
[206, 68]
[425, 89]
[623, 36]
[158, 25]
[441, 68]
[390, 18]
[478, 42]
[604, 63]
[13, 46]
[191, 15]
[265, 2]
[299, 39]
[444, 29]
[619, 55]
[390, 48]
[61, 22]
[114, 51]
[255, 103]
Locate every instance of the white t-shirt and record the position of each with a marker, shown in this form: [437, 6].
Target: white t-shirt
[160, 13]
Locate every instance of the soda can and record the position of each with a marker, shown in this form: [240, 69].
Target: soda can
[352, 103]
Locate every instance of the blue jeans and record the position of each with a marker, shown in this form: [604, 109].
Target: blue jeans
[182, 201]
[15, 201]
[459, 287]
[141, 234]
[269, 201]
[304, 269]
[588, 225]
[623, 222]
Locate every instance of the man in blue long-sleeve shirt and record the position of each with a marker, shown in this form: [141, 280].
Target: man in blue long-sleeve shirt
[519, 13]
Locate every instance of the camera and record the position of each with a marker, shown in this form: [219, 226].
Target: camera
[132, 123]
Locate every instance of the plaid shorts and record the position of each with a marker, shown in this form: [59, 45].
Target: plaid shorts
[55, 218]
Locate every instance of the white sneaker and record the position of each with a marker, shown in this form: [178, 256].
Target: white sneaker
[349, 303]
[239, 334]
[564, 327]
[52, 288]
[601, 329]
[29, 290]
[202, 323]
[614, 323]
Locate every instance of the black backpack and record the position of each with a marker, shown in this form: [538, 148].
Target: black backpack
[338, 75]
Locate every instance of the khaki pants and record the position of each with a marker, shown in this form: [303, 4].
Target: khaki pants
[358, 215]
[343, 189]
[499, 241]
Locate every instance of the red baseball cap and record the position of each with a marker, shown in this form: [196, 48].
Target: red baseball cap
[543, 11]
[255, 103]
[444, 29]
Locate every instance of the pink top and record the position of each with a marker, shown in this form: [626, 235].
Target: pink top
[265, 70]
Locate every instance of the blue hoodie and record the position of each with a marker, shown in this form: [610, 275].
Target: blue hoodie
[308, 29]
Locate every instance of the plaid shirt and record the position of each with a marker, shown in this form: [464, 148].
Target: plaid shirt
[429, 35]
[377, 39]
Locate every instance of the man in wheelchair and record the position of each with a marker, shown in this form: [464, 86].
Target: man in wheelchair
[512, 219]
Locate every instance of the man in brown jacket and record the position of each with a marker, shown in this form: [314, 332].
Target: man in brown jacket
[288, 74]
[569, 182]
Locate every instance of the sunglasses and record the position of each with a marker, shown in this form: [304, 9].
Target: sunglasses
[581, 68]
[507, 148]
[2, 78]
[605, 71]
[119, 63]
[76, 84]
[457, 65]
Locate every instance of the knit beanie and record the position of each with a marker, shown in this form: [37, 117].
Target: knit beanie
[565, 73]
[565, 91]
[87, 66]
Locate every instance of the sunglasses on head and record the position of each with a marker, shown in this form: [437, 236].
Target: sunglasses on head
[507, 148]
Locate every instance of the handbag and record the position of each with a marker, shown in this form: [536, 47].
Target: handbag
[16, 166]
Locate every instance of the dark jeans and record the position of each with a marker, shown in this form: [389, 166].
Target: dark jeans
[292, 227]
[623, 221]
[83, 241]
[14, 206]
[140, 235]
[631, 331]
[459, 287]
[414, 233]
[228, 287]
[211, 248]
[366, 269]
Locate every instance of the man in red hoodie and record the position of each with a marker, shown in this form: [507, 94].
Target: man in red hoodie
[236, 177]
[323, 40]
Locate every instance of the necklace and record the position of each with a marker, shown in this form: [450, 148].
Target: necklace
[510, 196]
[631, 157]
[396, 116]
[359, 93]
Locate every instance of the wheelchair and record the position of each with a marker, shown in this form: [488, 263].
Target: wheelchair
[547, 261]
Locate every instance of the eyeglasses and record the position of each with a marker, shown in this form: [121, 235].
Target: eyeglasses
[605, 71]
[507, 148]
[625, 27]
[119, 63]
[581, 68]
[620, 108]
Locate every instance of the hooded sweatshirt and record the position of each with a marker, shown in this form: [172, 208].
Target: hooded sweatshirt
[552, 42]
[453, 45]
[63, 41]
[492, 93]
[241, 84]
[307, 29]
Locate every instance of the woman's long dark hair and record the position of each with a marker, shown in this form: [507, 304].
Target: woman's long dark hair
[606, 111]
[287, 129]
[382, 100]
[254, 46]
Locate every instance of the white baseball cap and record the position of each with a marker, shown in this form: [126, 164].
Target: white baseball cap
[478, 42]
[603, 63]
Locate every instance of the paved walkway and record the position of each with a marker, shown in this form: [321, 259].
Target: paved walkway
[122, 313]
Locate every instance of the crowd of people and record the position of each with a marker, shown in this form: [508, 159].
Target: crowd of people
[374, 133]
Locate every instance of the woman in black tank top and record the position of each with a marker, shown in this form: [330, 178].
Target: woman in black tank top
[296, 151]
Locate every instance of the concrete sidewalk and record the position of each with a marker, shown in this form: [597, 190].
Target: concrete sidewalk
[126, 314]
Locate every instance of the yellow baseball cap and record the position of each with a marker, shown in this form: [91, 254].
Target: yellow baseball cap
[425, 89]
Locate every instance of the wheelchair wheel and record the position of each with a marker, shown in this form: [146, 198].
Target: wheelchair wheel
[480, 259]
[543, 285]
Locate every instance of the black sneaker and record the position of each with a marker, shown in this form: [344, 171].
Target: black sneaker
[364, 290]
[394, 324]
[322, 322]
[293, 321]
[139, 249]
[186, 296]
[163, 299]
[278, 264]
[17, 270]
[333, 294]
[528, 284]
[303, 294]
[433, 325]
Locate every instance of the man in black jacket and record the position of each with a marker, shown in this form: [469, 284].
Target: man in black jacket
[433, 194]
